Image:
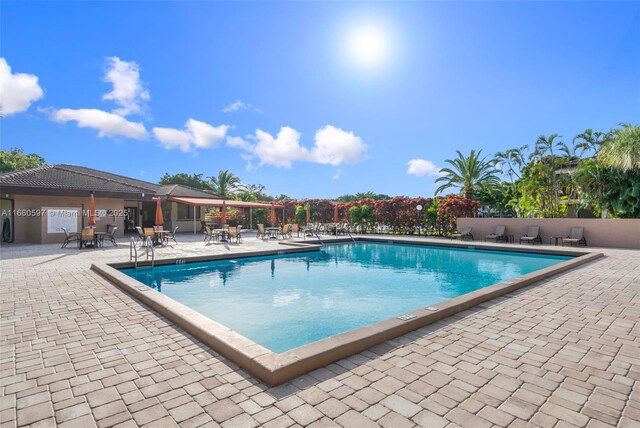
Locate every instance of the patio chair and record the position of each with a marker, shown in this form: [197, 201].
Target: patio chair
[498, 235]
[87, 238]
[140, 236]
[463, 234]
[111, 236]
[203, 224]
[576, 236]
[69, 237]
[262, 233]
[235, 234]
[148, 232]
[532, 236]
[208, 234]
[286, 231]
[295, 229]
[171, 235]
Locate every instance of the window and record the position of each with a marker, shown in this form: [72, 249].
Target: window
[185, 212]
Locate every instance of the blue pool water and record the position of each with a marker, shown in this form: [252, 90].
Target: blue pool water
[283, 302]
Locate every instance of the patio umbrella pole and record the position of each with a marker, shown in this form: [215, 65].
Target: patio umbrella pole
[194, 219]
[250, 218]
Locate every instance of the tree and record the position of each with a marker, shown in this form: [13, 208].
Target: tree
[589, 141]
[468, 173]
[15, 160]
[252, 193]
[225, 184]
[361, 216]
[191, 180]
[363, 195]
[622, 150]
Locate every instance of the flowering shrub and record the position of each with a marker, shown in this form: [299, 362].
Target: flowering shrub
[452, 207]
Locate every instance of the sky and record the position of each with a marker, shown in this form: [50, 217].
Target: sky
[309, 99]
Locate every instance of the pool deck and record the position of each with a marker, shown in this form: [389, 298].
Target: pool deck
[78, 351]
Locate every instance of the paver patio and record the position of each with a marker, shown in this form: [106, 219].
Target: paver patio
[78, 352]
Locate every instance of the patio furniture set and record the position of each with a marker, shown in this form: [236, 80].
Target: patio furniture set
[89, 237]
[226, 234]
[575, 237]
[158, 235]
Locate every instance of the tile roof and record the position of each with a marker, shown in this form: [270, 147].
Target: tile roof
[78, 178]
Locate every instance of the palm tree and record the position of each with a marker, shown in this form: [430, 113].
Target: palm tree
[589, 141]
[225, 184]
[468, 173]
[622, 150]
[251, 192]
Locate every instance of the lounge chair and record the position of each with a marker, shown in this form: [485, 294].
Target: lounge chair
[498, 235]
[87, 238]
[576, 236]
[111, 236]
[532, 236]
[262, 233]
[463, 234]
[69, 237]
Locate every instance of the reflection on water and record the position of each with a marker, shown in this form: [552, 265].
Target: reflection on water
[289, 300]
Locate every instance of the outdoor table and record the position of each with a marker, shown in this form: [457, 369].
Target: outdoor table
[556, 238]
[98, 238]
[272, 232]
[159, 236]
[222, 234]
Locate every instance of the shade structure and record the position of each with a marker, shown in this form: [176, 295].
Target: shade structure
[308, 214]
[92, 211]
[223, 213]
[159, 218]
[335, 213]
[272, 217]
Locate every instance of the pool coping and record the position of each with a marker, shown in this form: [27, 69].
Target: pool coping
[273, 368]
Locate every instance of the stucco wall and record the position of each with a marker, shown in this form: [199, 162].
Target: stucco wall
[619, 233]
[30, 228]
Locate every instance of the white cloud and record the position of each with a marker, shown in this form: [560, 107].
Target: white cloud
[422, 167]
[335, 146]
[238, 105]
[205, 135]
[282, 150]
[235, 106]
[128, 90]
[17, 91]
[107, 124]
[195, 134]
[239, 143]
[332, 146]
[171, 138]
[337, 174]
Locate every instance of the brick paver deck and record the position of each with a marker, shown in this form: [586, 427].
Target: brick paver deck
[78, 352]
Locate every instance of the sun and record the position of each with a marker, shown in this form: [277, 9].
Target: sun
[368, 45]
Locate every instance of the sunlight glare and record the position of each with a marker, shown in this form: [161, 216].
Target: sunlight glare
[368, 45]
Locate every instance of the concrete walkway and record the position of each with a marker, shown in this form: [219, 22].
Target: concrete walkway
[78, 352]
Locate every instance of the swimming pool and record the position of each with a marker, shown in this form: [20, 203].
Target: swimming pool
[286, 301]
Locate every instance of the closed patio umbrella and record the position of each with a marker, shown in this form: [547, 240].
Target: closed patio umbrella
[335, 213]
[159, 218]
[223, 213]
[308, 213]
[92, 211]
[272, 217]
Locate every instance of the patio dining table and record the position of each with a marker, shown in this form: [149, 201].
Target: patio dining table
[273, 232]
[159, 236]
[221, 235]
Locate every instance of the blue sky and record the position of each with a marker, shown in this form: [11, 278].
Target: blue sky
[329, 98]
